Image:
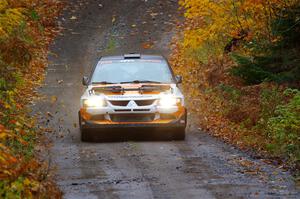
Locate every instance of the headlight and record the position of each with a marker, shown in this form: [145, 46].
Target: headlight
[168, 100]
[94, 102]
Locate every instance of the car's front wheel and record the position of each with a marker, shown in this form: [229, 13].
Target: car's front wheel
[84, 134]
[179, 134]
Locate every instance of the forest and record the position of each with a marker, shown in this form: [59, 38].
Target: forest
[240, 59]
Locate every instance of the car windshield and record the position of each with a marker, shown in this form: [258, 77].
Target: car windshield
[135, 71]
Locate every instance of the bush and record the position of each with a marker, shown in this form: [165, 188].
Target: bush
[26, 28]
[270, 98]
[284, 127]
[250, 71]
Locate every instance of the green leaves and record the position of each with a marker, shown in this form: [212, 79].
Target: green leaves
[34, 15]
[273, 61]
[250, 71]
[284, 127]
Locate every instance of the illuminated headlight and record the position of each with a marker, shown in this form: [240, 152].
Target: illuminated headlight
[94, 102]
[168, 100]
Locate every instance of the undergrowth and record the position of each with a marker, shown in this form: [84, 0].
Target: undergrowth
[26, 29]
[241, 68]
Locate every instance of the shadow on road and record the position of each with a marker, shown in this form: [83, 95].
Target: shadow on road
[121, 135]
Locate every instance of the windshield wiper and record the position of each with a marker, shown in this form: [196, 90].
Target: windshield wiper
[104, 82]
[141, 81]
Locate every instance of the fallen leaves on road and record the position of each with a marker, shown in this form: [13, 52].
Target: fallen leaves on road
[147, 45]
[113, 19]
[53, 99]
[49, 114]
[73, 18]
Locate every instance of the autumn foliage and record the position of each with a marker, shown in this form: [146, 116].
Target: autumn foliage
[240, 61]
[26, 29]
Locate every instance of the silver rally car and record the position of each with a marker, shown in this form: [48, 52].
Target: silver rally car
[132, 91]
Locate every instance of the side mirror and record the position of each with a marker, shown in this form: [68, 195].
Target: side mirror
[178, 79]
[85, 81]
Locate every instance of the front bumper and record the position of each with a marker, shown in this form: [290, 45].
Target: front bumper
[179, 122]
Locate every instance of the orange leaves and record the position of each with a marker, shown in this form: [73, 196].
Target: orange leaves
[147, 45]
[26, 29]
[14, 134]
[18, 175]
[23, 26]
[2, 128]
[7, 162]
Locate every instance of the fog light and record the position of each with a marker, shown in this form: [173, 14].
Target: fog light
[168, 101]
[94, 102]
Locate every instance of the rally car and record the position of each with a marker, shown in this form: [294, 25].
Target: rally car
[132, 91]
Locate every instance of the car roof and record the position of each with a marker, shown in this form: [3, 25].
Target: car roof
[132, 56]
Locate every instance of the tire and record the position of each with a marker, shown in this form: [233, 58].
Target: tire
[84, 134]
[179, 134]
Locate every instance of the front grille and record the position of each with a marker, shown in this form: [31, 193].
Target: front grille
[132, 117]
[122, 110]
[144, 102]
[141, 110]
[119, 103]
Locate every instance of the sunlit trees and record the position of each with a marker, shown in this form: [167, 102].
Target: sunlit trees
[220, 25]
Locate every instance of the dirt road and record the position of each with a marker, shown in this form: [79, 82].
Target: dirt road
[200, 167]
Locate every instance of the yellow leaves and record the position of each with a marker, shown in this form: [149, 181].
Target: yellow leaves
[23, 47]
[212, 24]
[53, 99]
[4, 133]
[32, 184]
[3, 34]
[27, 182]
[10, 20]
[3, 5]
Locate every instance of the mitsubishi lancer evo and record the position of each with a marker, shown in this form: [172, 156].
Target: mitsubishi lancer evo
[132, 91]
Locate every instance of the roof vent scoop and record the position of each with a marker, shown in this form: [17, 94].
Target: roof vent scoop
[132, 56]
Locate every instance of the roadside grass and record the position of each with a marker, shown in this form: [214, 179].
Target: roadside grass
[111, 45]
